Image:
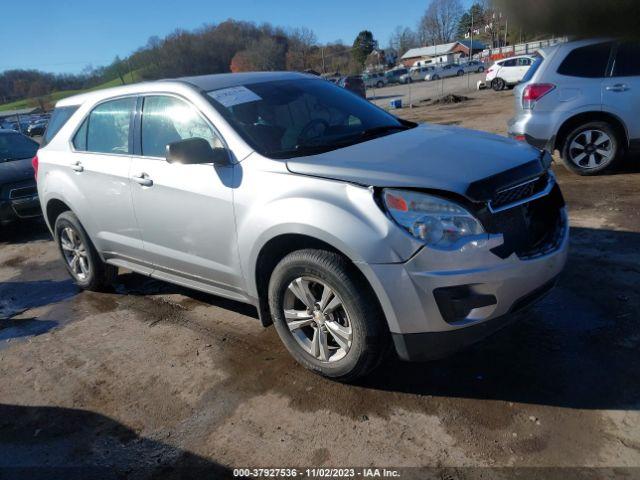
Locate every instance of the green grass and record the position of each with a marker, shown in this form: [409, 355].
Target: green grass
[55, 96]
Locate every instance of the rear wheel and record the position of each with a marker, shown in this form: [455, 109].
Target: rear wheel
[326, 316]
[460, 73]
[380, 84]
[80, 257]
[591, 148]
[498, 84]
[480, 69]
[435, 77]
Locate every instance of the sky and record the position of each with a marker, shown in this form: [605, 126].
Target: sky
[65, 36]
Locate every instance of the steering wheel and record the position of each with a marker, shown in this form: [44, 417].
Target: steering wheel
[310, 126]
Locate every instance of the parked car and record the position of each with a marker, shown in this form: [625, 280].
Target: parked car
[582, 98]
[508, 72]
[354, 84]
[37, 128]
[473, 66]
[345, 226]
[416, 74]
[377, 80]
[393, 76]
[445, 71]
[18, 193]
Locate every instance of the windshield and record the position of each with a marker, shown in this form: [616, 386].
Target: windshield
[290, 118]
[14, 146]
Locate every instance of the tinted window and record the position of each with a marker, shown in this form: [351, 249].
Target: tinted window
[14, 146]
[509, 63]
[168, 119]
[588, 62]
[106, 129]
[627, 60]
[58, 119]
[524, 62]
[288, 118]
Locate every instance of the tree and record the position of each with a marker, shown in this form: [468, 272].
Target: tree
[403, 39]
[302, 43]
[266, 54]
[475, 12]
[363, 45]
[439, 23]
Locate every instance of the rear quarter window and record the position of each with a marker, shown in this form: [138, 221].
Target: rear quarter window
[627, 63]
[587, 62]
[59, 118]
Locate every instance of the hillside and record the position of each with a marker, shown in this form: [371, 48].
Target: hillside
[132, 77]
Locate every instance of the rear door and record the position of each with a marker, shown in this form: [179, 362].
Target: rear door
[522, 66]
[508, 70]
[100, 164]
[621, 91]
[185, 212]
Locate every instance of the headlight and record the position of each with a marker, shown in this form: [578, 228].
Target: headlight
[434, 220]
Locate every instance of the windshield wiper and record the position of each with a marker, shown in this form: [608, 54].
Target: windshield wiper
[383, 129]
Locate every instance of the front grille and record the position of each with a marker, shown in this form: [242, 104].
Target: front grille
[23, 192]
[512, 195]
[530, 229]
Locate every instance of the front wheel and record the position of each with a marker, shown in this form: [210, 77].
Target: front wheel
[591, 148]
[435, 77]
[460, 73]
[81, 259]
[326, 316]
[379, 84]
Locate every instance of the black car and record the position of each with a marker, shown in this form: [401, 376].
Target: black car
[36, 129]
[353, 83]
[18, 191]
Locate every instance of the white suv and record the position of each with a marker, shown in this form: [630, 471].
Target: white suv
[508, 72]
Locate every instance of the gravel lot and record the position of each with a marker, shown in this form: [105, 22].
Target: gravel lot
[160, 377]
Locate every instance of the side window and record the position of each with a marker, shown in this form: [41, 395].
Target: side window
[106, 129]
[627, 60]
[509, 63]
[587, 62]
[524, 62]
[168, 119]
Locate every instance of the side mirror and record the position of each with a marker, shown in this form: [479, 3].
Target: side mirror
[195, 151]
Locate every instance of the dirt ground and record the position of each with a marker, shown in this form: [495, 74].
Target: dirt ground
[152, 378]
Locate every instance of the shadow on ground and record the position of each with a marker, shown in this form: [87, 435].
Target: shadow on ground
[24, 231]
[51, 442]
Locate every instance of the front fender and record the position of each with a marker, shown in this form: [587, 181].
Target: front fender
[342, 215]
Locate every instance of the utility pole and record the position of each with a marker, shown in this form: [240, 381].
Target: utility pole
[506, 29]
[324, 70]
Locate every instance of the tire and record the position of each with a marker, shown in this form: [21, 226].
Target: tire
[498, 84]
[88, 270]
[409, 80]
[480, 69]
[379, 84]
[460, 73]
[435, 77]
[591, 140]
[355, 315]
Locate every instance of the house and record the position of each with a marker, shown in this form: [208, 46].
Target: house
[444, 53]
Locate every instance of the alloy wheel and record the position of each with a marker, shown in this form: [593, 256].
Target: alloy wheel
[591, 148]
[75, 253]
[317, 319]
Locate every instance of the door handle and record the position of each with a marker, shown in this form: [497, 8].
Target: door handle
[143, 179]
[618, 87]
[77, 166]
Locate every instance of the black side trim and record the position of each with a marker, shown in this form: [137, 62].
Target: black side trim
[483, 190]
[418, 347]
[634, 145]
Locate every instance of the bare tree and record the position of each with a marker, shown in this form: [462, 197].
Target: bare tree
[439, 23]
[302, 42]
[403, 39]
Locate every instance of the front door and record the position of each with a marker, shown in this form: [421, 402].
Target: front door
[185, 212]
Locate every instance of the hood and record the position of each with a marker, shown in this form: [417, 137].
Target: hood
[15, 171]
[435, 157]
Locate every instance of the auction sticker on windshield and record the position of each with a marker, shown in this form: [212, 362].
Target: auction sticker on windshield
[234, 96]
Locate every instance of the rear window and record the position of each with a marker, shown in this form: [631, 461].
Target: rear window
[587, 62]
[627, 60]
[533, 69]
[58, 119]
[15, 146]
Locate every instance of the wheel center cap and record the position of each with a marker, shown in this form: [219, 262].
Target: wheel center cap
[318, 317]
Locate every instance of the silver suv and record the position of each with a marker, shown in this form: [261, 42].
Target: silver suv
[583, 99]
[346, 227]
